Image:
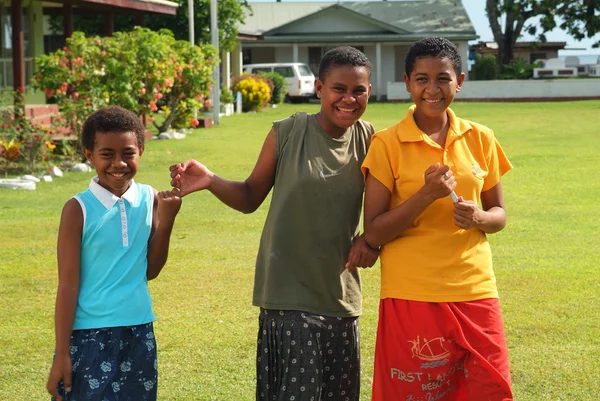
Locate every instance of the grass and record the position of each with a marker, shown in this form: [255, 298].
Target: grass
[545, 260]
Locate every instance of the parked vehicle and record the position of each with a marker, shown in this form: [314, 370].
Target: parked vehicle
[299, 79]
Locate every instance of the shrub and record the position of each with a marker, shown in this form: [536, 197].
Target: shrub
[140, 70]
[485, 67]
[192, 84]
[279, 86]
[226, 96]
[519, 69]
[257, 77]
[255, 93]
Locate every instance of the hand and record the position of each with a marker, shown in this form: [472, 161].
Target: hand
[467, 214]
[61, 369]
[190, 176]
[361, 254]
[439, 181]
[169, 203]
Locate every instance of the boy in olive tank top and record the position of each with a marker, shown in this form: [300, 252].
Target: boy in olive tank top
[306, 282]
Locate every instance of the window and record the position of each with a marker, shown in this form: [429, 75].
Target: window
[304, 70]
[6, 72]
[286, 72]
[246, 56]
[261, 69]
[314, 58]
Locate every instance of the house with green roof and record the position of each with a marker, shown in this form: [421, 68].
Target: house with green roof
[384, 30]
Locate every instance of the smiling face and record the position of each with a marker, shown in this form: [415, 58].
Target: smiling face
[344, 94]
[116, 157]
[433, 84]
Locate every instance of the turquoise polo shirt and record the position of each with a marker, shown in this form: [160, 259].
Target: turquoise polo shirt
[113, 289]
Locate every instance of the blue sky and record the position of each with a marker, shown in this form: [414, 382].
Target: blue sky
[476, 11]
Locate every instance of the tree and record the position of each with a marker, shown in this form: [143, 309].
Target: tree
[579, 18]
[231, 15]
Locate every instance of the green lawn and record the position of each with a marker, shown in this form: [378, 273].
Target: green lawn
[546, 260]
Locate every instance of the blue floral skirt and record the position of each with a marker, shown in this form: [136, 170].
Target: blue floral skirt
[113, 364]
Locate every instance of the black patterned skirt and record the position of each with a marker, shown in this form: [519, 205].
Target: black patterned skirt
[305, 357]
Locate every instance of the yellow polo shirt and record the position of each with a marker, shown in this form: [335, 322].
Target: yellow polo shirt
[435, 261]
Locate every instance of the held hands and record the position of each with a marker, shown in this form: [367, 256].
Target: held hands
[61, 369]
[439, 181]
[467, 214]
[361, 254]
[169, 203]
[190, 176]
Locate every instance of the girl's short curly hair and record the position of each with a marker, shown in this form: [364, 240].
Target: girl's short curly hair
[433, 46]
[111, 119]
[341, 56]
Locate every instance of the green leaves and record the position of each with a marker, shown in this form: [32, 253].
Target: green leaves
[579, 18]
[141, 70]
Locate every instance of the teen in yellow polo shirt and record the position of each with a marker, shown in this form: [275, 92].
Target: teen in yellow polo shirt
[453, 264]
[440, 333]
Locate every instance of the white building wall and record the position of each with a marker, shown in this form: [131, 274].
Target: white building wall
[516, 90]
[400, 51]
[284, 54]
[463, 50]
[527, 89]
[303, 54]
[278, 54]
[330, 21]
[388, 66]
[371, 54]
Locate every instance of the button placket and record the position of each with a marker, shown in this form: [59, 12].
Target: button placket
[123, 223]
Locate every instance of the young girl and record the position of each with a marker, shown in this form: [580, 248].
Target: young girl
[112, 239]
[306, 284]
[440, 334]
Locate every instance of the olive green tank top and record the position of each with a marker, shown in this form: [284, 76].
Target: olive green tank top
[313, 218]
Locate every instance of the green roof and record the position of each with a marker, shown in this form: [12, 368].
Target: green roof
[397, 19]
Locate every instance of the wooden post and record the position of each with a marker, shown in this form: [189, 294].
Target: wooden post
[18, 54]
[109, 23]
[139, 19]
[67, 20]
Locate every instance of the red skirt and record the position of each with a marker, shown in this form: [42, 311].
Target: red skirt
[450, 351]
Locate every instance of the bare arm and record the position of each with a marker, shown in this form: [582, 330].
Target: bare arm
[165, 209]
[69, 253]
[245, 196]
[382, 224]
[489, 220]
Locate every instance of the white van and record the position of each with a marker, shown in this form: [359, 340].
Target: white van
[299, 78]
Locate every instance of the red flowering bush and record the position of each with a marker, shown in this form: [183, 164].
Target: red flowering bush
[141, 70]
[191, 87]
